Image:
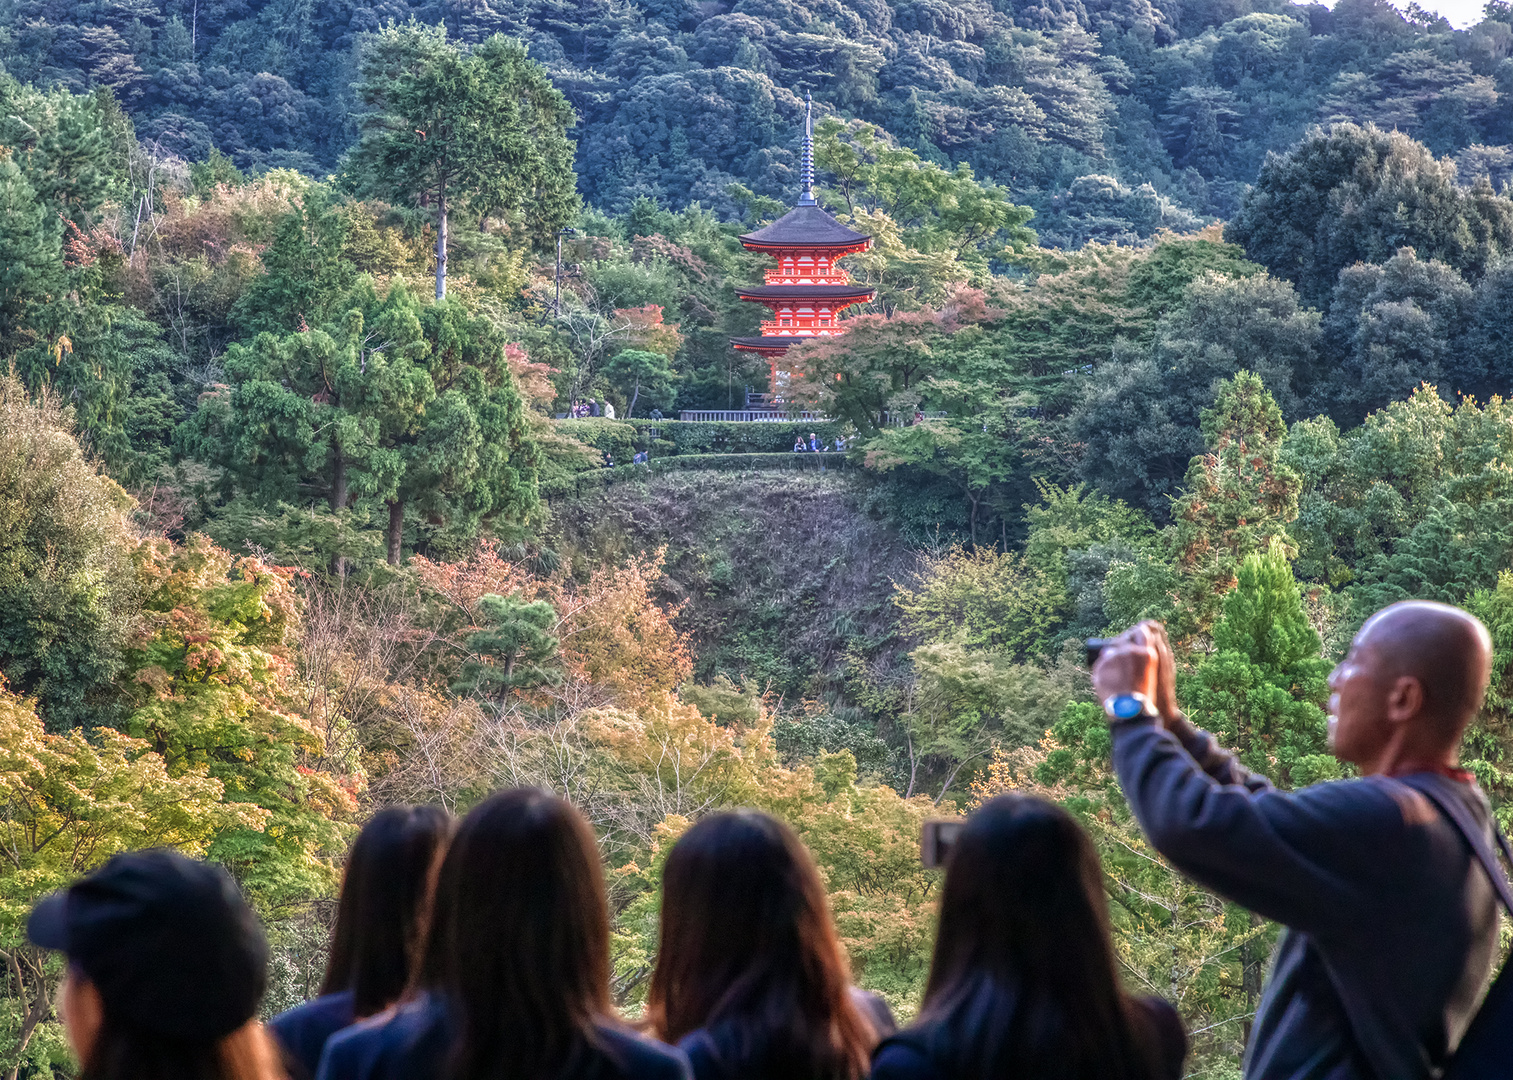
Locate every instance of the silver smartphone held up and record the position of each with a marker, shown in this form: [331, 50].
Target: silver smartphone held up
[937, 838]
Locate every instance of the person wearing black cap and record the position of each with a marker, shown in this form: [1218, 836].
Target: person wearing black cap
[166, 968]
[385, 889]
[514, 983]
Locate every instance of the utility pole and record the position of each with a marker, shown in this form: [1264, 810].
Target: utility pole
[557, 304]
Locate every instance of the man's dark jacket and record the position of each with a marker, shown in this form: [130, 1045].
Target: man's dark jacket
[1391, 921]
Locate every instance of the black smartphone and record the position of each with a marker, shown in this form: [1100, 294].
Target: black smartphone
[1095, 646]
[936, 840]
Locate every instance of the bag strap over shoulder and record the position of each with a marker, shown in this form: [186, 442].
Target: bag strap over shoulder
[1468, 827]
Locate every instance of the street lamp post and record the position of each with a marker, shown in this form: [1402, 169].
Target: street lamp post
[557, 305]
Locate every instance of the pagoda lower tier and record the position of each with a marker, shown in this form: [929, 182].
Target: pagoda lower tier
[799, 312]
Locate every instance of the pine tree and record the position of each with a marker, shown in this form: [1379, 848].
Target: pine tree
[305, 276]
[634, 370]
[513, 652]
[398, 401]
[484, 131]
[1263, 689]
[1238, 497]
[31, 240]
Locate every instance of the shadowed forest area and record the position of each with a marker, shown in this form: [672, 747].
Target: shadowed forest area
[1203, 311]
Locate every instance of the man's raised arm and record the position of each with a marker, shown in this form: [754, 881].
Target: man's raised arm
[1214, 819]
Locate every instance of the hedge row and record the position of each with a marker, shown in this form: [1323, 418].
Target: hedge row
[622, 438]
[595, 479]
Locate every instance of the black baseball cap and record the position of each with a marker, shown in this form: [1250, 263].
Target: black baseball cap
[168, 941]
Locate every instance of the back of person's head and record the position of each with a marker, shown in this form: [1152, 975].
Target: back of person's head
[384, 897]
[1024, 981]
[166, 967]
[749, 954]
[519, 941]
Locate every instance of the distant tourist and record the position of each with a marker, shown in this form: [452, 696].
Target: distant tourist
[840, 443]
[609, 460]
[166, 968]
[514, 981]
[751, 980]
[594, 406]
[814, 444]
[640, 458]
[1024, 981]
[609, 409]
[798, 445]
[384, 892]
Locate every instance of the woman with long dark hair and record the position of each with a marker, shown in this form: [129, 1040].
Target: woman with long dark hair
[166, 967]
[751, 980]
[1024, 981]
[514, 984]
[374, 945]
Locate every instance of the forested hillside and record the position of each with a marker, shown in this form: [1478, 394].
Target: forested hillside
[1201, 312]
[1074, 106]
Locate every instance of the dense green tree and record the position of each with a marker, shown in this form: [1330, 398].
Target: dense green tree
[1366, 490]
[67, 145]
[680, 102]
[1486, 363]
[938, 209]
[1140, 421]
[305, 274]
[311, 413]
[1237, 498]
[1100, 209]
[1263, 688]
[468, 456]
[1073, 534]
[1353, 194]
[31, 239]
[1395, 325]
[409, 404]
[1487, 748]
[636, 371]
[973, 453]
[482, 131]
[68, 588]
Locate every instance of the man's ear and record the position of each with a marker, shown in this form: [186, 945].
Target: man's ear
[1405, 699]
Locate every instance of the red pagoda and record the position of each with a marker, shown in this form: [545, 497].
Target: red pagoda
[808, 291]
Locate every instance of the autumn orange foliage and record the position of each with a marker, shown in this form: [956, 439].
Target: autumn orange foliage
[648, 331]
[613, 633]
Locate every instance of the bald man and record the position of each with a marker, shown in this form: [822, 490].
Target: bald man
[1391, 921]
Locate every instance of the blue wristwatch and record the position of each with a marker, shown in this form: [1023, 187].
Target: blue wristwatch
[1129, 707]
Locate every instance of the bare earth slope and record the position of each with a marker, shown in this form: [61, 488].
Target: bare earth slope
[778, 572]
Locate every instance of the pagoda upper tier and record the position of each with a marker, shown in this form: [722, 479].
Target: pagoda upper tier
[809, 289]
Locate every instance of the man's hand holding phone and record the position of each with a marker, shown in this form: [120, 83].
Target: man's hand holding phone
[1138, 662]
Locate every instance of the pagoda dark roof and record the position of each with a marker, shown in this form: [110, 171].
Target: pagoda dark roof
[773, 342]
[806, 226]
[807, 292]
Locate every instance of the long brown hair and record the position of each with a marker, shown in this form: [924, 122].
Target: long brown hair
[749, 954]
[384, 894]
[124, 1052]
[1024, 981]
[519, 940]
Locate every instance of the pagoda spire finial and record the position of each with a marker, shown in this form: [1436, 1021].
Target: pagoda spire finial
[806, 162]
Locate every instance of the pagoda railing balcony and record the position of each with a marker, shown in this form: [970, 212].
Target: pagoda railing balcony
[770, 328]
[785, 277]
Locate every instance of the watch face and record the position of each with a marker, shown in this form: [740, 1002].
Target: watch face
[1127, 707]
